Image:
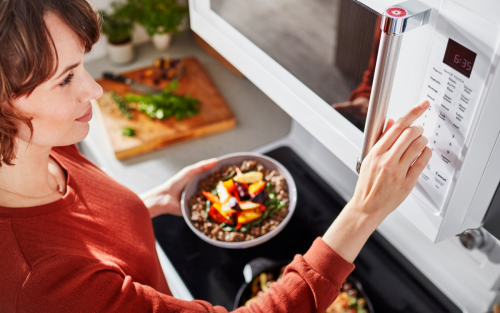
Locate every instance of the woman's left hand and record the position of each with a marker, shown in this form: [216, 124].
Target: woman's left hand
[166, 198]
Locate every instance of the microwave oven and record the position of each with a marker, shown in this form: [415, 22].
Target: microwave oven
[374, 59]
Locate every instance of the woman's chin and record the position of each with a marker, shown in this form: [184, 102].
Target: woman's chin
[76, 135]
[82, 132]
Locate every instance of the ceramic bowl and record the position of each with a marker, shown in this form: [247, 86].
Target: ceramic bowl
[235, 159]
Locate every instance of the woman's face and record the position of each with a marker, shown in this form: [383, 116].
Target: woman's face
[60, 107]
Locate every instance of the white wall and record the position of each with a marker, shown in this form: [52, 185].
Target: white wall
[99, 49]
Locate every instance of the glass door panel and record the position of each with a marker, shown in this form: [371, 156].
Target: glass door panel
[328, 45]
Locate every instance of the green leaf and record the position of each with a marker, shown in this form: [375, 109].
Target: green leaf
[129, 132]
[164, 105]
[124, 107]
[117, 26]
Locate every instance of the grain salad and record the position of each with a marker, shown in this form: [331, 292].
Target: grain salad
[240, 202]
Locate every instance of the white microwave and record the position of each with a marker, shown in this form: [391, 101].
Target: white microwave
[446, 51]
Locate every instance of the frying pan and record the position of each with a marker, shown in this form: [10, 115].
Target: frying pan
[262, 265]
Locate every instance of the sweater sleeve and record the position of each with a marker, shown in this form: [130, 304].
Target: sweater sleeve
[78, 284]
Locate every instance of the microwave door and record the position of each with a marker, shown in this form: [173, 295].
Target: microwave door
[326, 45]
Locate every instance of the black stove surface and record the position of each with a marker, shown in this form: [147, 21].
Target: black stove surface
[216, 274]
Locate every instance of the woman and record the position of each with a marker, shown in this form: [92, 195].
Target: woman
[73, 239]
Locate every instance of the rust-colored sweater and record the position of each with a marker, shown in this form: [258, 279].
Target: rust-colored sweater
[94, 251]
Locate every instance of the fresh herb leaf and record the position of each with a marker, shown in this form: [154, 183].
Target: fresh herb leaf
[166, 104]
[129, 132]
[124, 107]
[228, 228]
[230, 175]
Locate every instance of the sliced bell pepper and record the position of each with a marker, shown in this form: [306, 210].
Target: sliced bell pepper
[257, 187]
[238, 225]
[223, 210]
[248, 216]
[218, 217]
[211, 197]
[227, 210]
[229, 184]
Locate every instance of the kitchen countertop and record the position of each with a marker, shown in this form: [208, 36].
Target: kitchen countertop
[259, 121]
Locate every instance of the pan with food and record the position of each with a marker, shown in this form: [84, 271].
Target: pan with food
[261, 273]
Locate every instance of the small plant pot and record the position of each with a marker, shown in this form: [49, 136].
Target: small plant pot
[162, 41]
[121, 53]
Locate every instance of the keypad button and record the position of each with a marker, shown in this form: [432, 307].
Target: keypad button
[467, 90]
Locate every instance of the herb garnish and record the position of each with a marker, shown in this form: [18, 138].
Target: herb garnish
[123, 106]
[129, 132]
[166, 104]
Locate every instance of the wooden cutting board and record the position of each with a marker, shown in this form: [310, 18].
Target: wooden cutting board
[215, 114]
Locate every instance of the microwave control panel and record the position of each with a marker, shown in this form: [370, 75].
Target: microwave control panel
[453, 83]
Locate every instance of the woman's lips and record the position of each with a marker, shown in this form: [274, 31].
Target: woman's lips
[87, 117]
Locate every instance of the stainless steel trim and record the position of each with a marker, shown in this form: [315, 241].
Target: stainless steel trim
[395, 21]
[412, 14]
[385, 70]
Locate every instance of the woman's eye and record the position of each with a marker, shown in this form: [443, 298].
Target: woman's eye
[67, 80]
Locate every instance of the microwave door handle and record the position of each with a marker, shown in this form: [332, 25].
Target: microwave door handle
[396, 21]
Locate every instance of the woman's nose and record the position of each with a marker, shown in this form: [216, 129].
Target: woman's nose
[91, 90]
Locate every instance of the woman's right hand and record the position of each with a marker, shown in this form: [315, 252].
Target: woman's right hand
[388, 174]
[391, 169]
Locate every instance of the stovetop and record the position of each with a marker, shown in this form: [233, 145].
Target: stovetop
[216, 274]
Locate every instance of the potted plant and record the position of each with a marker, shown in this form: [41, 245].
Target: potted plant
[160, 18]
[118, 28]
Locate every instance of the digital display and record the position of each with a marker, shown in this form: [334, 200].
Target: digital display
[459, 58]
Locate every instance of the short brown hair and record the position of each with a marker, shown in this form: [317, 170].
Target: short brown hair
[28, 56]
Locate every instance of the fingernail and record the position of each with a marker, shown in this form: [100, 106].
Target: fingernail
[424, 104]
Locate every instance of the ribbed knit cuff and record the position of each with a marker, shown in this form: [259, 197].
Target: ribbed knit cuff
[327, 262]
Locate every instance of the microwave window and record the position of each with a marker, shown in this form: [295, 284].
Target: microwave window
[329, 45]
[459, 58]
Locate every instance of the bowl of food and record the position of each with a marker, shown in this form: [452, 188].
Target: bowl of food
[261, 273]
[243, 201]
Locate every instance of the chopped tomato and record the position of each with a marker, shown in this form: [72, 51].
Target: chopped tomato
[211, 197]
[263, 207]
[257, 187]
[229, 184]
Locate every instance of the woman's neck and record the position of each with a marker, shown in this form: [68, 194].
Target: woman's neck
[34, 174]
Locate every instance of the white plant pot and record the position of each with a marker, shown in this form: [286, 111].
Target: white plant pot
[162, 41]
[122, 53]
